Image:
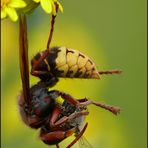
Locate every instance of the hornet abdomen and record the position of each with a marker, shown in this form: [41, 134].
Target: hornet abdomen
[68, 63]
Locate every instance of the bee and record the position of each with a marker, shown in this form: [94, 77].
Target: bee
[38, 106]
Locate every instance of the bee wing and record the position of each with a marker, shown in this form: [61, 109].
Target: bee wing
[23, 54]
[83, 143]
[78, 136]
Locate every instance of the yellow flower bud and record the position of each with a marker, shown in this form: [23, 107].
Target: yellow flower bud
[49, 5]
[8, 8]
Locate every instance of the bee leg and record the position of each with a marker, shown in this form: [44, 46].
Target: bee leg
[83, 100]
[54, 122]
[47, 79]
[78, 136]
[54, 137]
[69, 98]
[39, 73]
[47, 51]
[52, 26]
[115, 110]
[57, 146]
[54, 117]
[66, 119]
[110, 72]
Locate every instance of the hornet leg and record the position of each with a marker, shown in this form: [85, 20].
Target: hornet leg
[113, 109]
[57, 146]
[40, 73]
[54, 122]
[47, 52]
[67, 97]
[110, 72]
[54, 137]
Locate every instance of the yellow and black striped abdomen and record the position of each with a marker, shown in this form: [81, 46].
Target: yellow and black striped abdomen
[70, 63]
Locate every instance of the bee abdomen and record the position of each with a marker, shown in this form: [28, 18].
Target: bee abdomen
[70, 63]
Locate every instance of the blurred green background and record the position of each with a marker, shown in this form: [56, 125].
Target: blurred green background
[113, 34]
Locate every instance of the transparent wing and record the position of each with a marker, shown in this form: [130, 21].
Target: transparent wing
[84, 143]
[78, 136]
